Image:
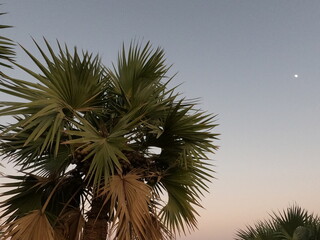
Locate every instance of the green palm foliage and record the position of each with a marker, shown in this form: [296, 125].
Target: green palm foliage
[6, 48]
[84, 143]
[293, 224]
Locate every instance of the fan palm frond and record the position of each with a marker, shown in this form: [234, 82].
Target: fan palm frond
[138, 77]
[129, 201]
[7, 52]
[294, 223]
[68, 87]
[54, 194]
[34, 225]
[291, 219]
[20, 189]
[263, 230]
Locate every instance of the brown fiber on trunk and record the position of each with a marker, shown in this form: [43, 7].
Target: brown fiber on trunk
[96, 227]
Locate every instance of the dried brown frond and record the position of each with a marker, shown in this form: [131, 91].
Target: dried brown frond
[130, 203]
[34, 225]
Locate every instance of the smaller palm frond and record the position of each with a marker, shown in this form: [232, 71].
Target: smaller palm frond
[7, 52]
[289, 220]
[34, 225]
[129, 203]
[294, 223]
[263, 230]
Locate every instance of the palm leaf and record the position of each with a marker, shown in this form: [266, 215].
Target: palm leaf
[24, 196]
[137, 79]
[103, 151]
[34, 225]
[294, 223]
[13, 148]
[54, 194]
[263, 230]
[184, 141]
[290, 219]
[130, 200]
[69, 86]
[7, 52]
[179, 214]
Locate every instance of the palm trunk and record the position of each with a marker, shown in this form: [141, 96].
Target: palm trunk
[96, 227]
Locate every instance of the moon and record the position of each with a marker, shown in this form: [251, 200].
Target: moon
[296, 76]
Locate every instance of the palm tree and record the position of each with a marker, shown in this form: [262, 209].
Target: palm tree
[293, 224]
[103, 152]
[6, 48]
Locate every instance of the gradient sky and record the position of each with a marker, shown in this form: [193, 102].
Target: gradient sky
[240, 57]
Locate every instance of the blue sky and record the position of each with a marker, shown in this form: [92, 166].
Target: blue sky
[240, 58]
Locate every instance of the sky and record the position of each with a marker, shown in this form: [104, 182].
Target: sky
[240, 57]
